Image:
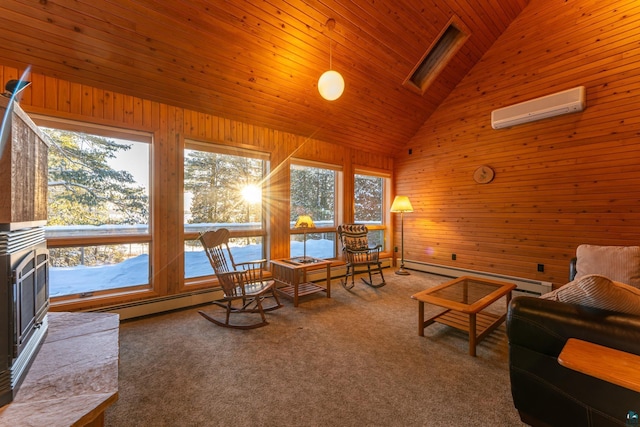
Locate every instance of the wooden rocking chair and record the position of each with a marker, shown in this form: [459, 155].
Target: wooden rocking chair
[360, 258]
[243, 285]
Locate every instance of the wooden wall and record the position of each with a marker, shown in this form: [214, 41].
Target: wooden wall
[559, 182]
[169, 126]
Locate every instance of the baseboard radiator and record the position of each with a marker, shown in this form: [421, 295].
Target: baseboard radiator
[160, 305]
[528, 287]
[176, 302]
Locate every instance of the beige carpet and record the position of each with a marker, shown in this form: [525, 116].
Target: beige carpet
[353, 360]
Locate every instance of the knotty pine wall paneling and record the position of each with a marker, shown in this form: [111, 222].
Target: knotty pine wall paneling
[279, 201]
[559, 182]
[170, 126]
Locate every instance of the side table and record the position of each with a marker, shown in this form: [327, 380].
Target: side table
[290, 276]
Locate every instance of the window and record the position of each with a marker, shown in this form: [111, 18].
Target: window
[98, 209]
[369, 197]
[314, 191]
[223, 189]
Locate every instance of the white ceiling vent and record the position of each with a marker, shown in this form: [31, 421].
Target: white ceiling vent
[568, 101]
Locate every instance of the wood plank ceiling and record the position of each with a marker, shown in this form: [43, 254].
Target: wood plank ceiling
[259, 61]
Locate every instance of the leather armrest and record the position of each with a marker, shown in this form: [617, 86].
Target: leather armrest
[544, 326]
[573, 270]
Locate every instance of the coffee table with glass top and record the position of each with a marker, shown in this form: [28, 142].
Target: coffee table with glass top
[464, 299]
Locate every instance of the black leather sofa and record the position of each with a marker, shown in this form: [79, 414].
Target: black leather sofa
[548, 394]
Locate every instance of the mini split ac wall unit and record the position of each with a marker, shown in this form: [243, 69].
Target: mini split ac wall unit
[568, 101]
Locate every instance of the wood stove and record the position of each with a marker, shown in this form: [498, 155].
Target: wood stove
[24, 274]
[24, 271]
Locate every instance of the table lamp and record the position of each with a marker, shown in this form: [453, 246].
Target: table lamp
[305, 222]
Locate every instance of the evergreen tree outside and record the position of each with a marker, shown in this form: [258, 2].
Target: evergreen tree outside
[368, 199]
[215, 182]
[313, 193]
[84, 190]
[222, 190]
[368, 192]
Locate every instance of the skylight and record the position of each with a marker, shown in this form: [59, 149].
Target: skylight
[437, 56]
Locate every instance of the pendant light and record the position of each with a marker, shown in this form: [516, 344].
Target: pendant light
[330, 83]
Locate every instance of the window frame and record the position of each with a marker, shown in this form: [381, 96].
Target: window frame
[206, 281]
[386, 204]
[88, 240]
[338, 202]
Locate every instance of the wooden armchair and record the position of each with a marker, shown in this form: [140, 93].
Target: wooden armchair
[359, 257]
[243, 285]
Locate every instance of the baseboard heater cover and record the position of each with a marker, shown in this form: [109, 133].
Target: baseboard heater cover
[160, 305]
[524, 286]
[175, 302]
[567, 101]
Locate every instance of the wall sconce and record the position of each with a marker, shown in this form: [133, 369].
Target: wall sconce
[401, 204]
[330, 83]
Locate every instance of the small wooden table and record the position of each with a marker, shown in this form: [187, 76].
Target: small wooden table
[290, 276]
[465, 298]
[608, 364]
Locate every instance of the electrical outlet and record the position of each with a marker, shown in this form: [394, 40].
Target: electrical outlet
[395, 249]
[453, 257]
[541, 268]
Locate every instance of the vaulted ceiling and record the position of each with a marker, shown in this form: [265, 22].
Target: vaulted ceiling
[259, 61]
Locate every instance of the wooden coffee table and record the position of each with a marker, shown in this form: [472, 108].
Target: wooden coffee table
[464, 299]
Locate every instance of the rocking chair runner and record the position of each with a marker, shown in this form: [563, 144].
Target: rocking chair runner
[359, 256]
[243, 285]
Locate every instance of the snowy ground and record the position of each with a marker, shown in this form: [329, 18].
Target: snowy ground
[135, 271]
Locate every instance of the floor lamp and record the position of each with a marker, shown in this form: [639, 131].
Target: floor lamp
[401, 204]
[305, 222]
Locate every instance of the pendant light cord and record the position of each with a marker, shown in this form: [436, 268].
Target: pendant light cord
[330, 25]
[330, 52]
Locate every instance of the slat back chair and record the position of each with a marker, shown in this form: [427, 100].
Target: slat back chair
[359, 256]
[244, 288]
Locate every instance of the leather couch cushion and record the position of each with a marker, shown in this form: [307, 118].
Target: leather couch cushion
[619, 263]
[595, 290]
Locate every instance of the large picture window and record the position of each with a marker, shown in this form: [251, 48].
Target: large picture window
[98, 192]
[314, 192]
[369, 200]
[223, 189]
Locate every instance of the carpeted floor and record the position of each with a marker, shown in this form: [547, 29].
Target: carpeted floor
[352, 360]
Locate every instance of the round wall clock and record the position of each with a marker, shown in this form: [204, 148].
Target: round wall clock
[483, 175]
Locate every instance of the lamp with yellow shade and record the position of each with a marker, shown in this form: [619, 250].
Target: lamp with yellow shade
[401, 204]
[305, 222]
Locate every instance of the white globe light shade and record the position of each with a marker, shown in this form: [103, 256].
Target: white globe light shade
[331, 85]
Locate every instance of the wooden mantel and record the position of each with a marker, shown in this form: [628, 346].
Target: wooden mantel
[74, 377]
